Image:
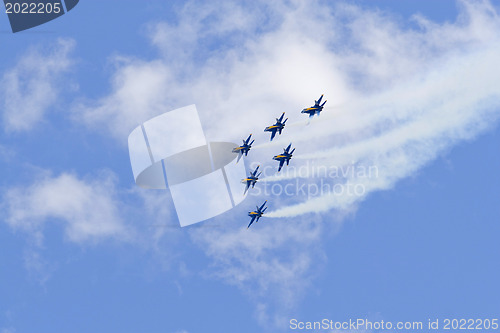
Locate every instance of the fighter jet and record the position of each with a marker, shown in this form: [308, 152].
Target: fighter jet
[277, 127]
[315, 109]
[244, 148]
[286, 156]
[257, 214]
[251, 179]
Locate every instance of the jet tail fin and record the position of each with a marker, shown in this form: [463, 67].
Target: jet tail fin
[319, 100]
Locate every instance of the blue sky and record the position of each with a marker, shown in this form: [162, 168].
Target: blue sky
[412, 89]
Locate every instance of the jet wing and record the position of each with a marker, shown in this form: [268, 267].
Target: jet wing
[247, 187]
[240, 153]
[273, 134]
[253, 219]
[281, 165]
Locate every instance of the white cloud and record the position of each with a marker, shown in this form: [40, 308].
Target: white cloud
[91, 211]
[33, 86]
[87, 210]
[139, 91]
[255, 76]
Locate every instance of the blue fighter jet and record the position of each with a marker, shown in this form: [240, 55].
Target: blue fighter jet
[285, 157]
[277, 127]
[244, 148]
[257, 214]
[251, 179]
[315, 109]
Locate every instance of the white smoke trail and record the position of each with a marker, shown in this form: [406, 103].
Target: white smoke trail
[445, 105]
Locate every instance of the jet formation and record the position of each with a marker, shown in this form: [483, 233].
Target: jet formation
[253, 177]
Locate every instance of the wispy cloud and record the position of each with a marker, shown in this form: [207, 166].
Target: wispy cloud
[270, 263]
[33, 85]
[38, 267]
[91, 211]
[87, 209]
[139, 91]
